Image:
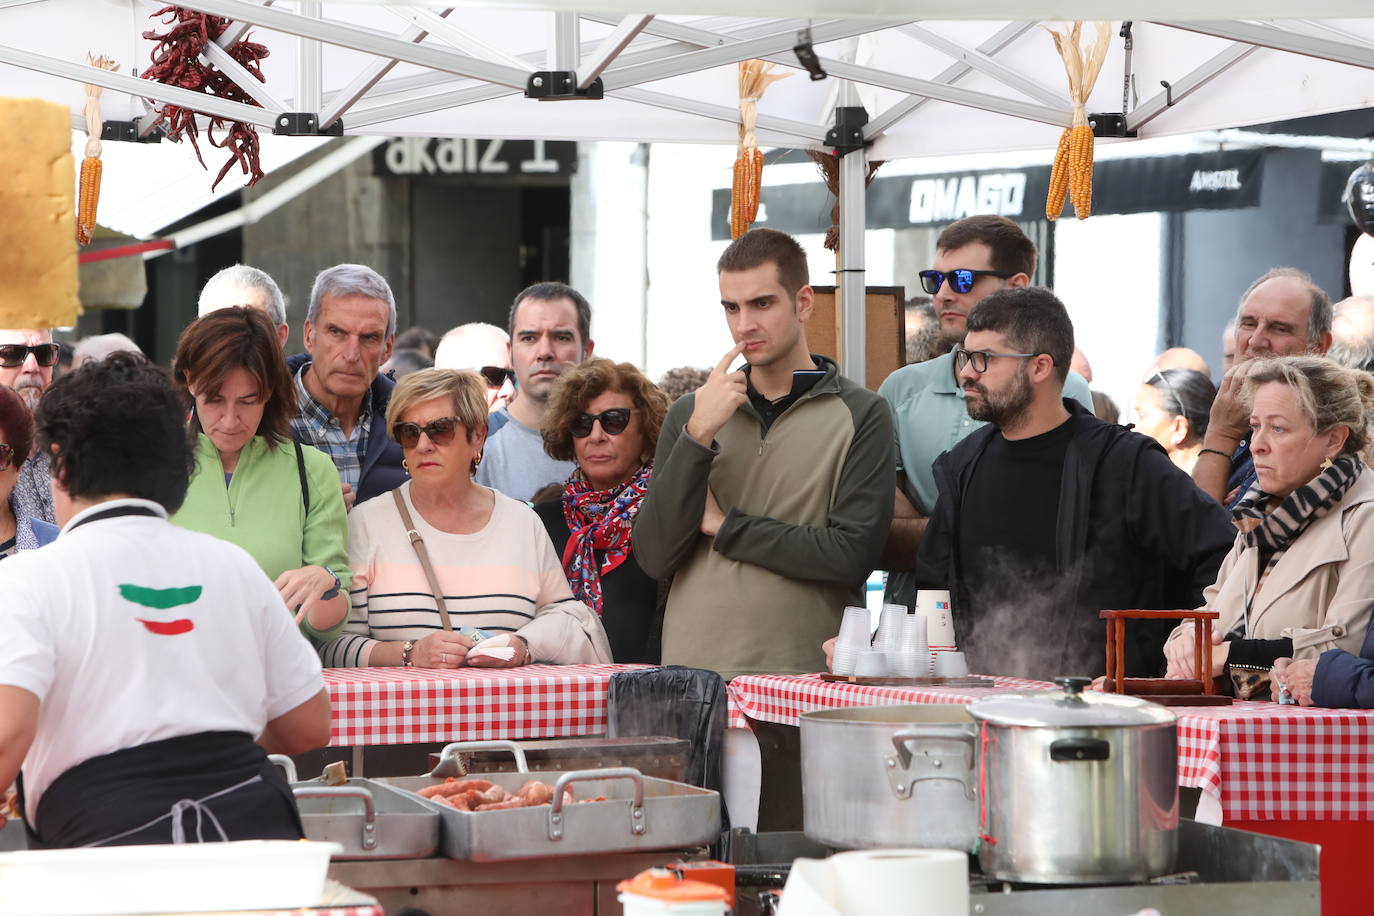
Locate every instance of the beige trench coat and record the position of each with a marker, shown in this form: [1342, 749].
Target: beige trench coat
[1319, 593]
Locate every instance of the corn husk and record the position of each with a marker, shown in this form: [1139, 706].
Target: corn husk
[1072, 172]
[755, 76]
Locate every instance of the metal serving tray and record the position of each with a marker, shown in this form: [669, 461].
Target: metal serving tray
[369, 820]
[640, 813]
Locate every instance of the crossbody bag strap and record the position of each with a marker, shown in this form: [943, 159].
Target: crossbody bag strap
[420, 551]
[300, 470]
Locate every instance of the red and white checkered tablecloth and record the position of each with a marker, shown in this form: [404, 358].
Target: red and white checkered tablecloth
[782, 698]
[1261, 761]
[418, 705]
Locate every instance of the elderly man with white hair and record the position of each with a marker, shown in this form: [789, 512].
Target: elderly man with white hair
[485, 349]
[350, 328]
[95, 348]
[249, 287]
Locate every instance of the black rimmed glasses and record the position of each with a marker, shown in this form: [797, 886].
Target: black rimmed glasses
[960, 279]
[496, 376]
[613, 422]
[13, 355]
[978, 359]
[440, 431]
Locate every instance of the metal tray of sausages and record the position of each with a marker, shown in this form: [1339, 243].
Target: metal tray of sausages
[639, 813]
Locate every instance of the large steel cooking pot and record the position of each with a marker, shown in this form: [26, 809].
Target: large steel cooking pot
[890, 776]
[1077, 788]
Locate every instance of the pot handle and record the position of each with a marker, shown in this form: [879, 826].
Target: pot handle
[898, 766]
[358, 792]
[1075, 749]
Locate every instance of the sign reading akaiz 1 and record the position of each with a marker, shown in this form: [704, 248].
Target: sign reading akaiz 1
[405, 156]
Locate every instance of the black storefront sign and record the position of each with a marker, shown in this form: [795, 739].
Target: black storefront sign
[1197, 181]
[485, 159]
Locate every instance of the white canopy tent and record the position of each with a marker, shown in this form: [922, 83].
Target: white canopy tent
[929, 80]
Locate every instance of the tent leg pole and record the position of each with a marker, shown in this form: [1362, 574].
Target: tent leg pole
[852, 284]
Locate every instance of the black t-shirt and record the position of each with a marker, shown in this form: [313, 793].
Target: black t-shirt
[1007, 548]
[630, 611]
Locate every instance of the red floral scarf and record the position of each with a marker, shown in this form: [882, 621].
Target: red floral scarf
[599, 520]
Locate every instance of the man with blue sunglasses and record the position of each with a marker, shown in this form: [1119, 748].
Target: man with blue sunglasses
[974, 258]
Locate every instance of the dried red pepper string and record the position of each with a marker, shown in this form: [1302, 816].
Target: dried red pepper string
[176, 61]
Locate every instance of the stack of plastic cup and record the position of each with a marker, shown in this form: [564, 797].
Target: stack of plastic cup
[890, 628]
[912, 658]
[852, 640]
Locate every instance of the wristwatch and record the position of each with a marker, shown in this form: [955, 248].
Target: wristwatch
[405, 652]
[333, 592]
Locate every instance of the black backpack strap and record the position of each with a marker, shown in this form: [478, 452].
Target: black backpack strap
[300, 468]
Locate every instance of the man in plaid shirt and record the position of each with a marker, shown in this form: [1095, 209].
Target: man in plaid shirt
[350, 328]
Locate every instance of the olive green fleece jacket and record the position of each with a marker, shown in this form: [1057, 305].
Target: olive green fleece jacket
[807, 506]
[263, 512]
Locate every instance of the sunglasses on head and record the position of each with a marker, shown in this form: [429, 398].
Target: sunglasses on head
[13, 355]
[613, 422]
[6, 456]
[496, 376]
[960, 279]
[440, 431]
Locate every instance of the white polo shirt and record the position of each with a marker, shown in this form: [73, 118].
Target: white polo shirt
[131, 630]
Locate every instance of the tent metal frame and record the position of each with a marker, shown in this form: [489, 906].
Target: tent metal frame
[641, 49]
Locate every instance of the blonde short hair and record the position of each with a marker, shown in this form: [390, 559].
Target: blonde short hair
[465, 390]
[1329, 394]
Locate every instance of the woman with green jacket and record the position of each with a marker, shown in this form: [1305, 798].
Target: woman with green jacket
[253, 485]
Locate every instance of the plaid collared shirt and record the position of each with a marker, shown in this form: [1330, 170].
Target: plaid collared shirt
[314, 425]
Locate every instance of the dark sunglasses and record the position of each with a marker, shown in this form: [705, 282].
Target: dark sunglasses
[6, 456]
[13, 355]
[960, 279]
[613, 422]
[496, 376]
[440, 432]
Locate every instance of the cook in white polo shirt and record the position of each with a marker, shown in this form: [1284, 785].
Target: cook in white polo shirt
[146, 670]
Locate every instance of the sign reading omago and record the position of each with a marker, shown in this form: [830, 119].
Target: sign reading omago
[1197, 181]
[481, 159]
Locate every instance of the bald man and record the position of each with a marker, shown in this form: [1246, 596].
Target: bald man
[1182, 358]
[1352, 333]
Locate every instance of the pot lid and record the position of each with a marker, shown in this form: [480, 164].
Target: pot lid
[1070, 707]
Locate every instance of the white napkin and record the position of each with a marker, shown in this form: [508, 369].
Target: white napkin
[497, 647]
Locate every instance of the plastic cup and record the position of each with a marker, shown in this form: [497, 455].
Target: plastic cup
[914, 634]
[872, 663]
[890, 627]
[842, 661]
[951, 664]
[911, 664]
[933, 605]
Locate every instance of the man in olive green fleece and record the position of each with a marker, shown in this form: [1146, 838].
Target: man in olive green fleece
[772, 487]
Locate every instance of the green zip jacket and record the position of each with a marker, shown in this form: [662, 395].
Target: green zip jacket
[807, 511]
[262, 510]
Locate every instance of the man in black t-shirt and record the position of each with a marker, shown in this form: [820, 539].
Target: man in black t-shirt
[1049, 515]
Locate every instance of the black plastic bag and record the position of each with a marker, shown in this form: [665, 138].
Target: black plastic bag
[676, 702]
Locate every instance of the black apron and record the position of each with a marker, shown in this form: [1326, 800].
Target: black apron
[194, 788]
[203, 787]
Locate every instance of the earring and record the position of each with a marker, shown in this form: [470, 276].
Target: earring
[405, 467]
[1326, 464]
[477, 462]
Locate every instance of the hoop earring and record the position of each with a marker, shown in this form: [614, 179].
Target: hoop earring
[405, 467]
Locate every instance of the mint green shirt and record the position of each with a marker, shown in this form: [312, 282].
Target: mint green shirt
[929, 418]
[262, 510]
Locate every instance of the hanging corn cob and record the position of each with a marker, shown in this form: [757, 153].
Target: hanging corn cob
[88, 198]
[755, 76]
[1073, 160]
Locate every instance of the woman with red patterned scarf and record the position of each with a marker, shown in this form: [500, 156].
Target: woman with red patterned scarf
[606, 417]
